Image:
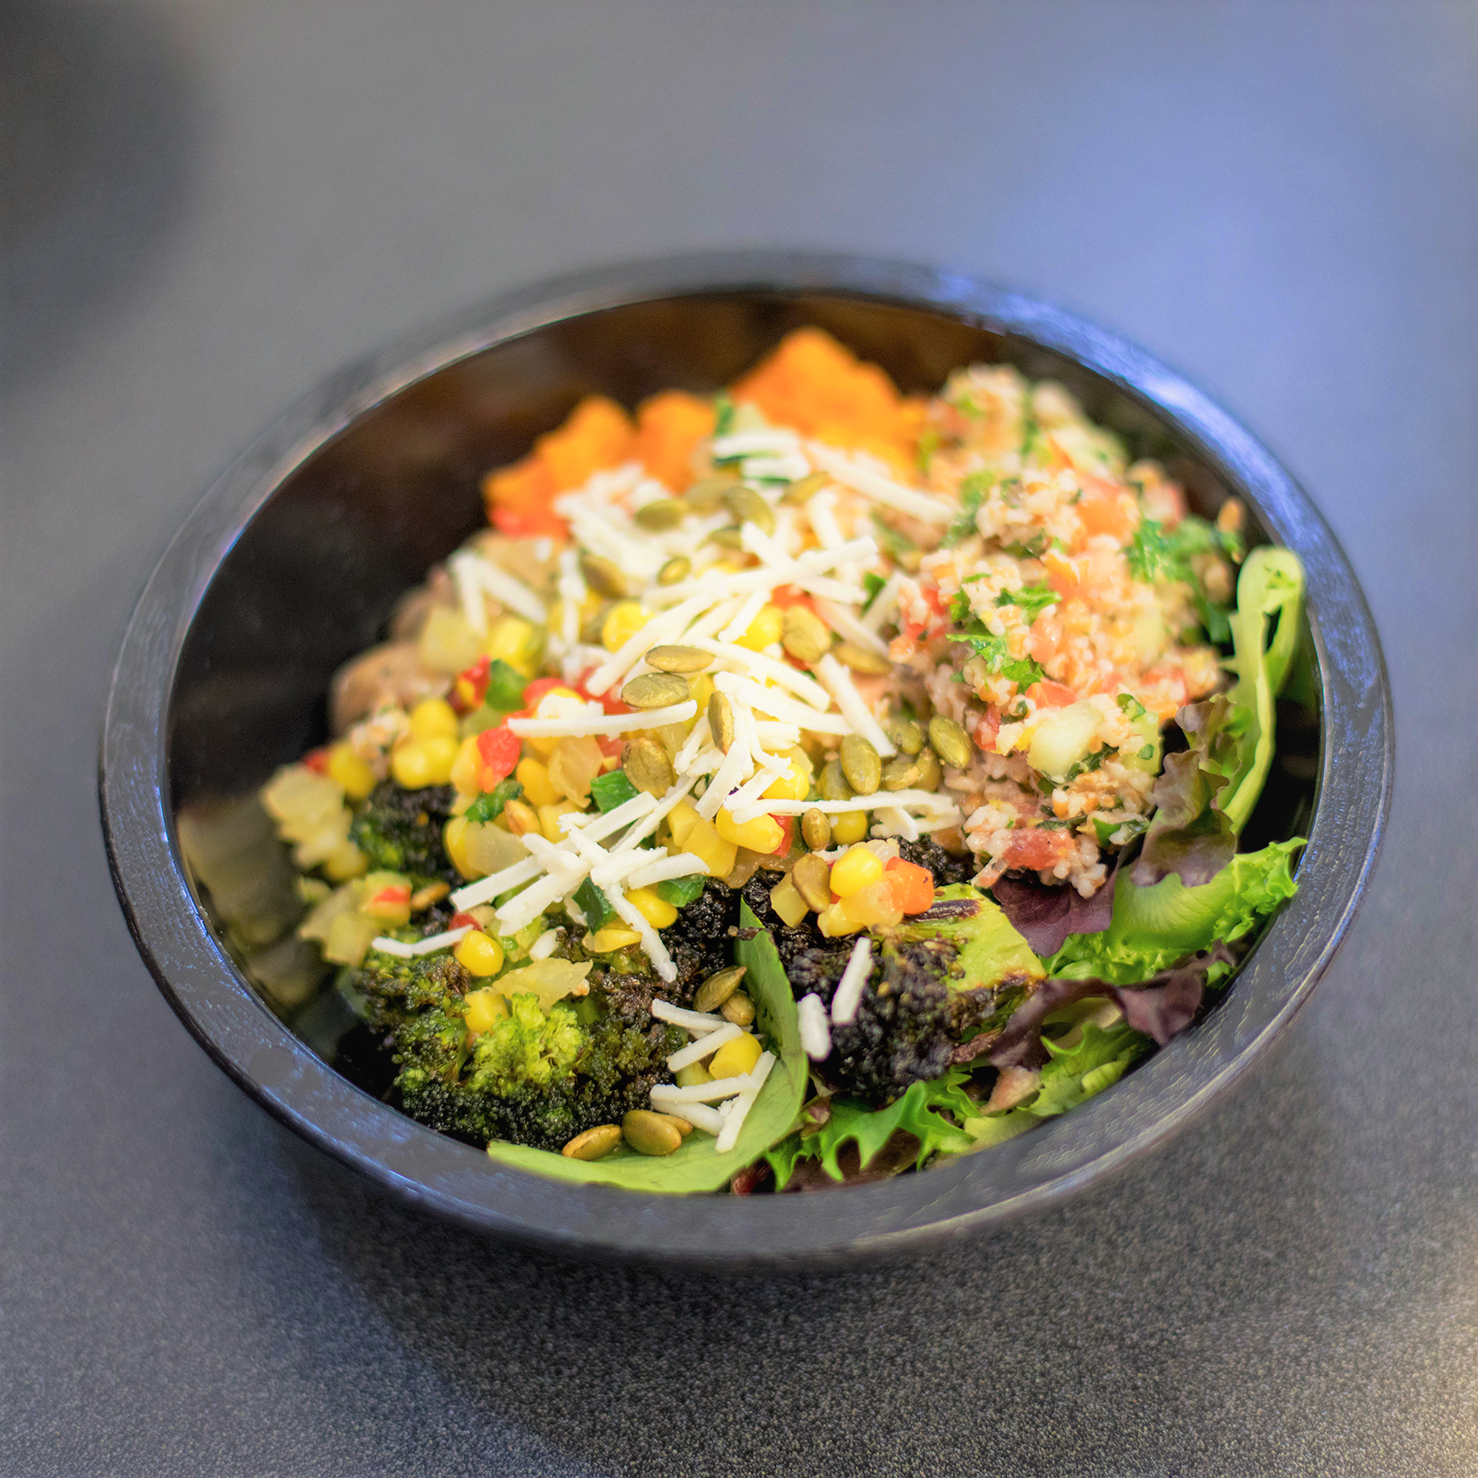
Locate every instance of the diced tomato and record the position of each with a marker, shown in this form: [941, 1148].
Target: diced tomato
[1106, 509]
[463, 921]
[787, 825]
[934, 600]
[986, 729]
[1036, 848]
[391, 897]
[529, 523]
[912, 886]
[1062, 575]
[538, 688]
[786, 596]
[471, 686]
[500, 749]
[1048, 694]
[609, 746]
[317, 761]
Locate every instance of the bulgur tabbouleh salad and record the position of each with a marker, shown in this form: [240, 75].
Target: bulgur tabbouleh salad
[800, 784]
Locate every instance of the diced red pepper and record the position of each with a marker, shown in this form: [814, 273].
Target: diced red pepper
[392, 896]
[912, 886]
[609, 746]
[534, 693]
[787, 826]
[317, 761]
[786, 596]
[500, 749]
[471, 686]
[463, 921]
[607, 700]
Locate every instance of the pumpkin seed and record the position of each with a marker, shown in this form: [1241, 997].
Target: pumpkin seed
[905, 733]
[804, 634]
[861, 764]
[812, 879]
[816, 830]
[833, 784]
[661, 513]
[677, 569]
[707, 495]
[721, 721]
[595, 1143]
[748, 507]
[727, 538]
[718, 988]
[739, 1009]
[951, 743]
[591, 630]
[804, 490]
[859, 659]
[681, 1125]
[655, 690]
[931, 775]
[902, 772]
[604, 576]
[650, 1134]
[648, 767]
[679, 659]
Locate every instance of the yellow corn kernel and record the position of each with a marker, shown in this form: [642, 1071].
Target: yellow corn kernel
[350, 771]
[680, 821]
[764, 834]
[467, 768]
[484, 1009]
[522, 819]
[849, 827]
[622, 622]
[549, 819]
[701, 687]
[737, 1055]
[658, 912]
[793, 785]
[786, 900]
[538, 789]
[454, 839]
[854, 870]
[478, 954]
[704, 842]
[765, 629]
[344, 862]
[422, 762]
[517, 642]
[612, 937]
[433, 718]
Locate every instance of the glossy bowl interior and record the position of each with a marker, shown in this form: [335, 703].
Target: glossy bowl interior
[295, 557]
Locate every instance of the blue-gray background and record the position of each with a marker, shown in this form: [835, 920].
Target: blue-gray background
[210, 206]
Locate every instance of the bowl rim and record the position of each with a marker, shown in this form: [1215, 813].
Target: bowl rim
[1024, 1175]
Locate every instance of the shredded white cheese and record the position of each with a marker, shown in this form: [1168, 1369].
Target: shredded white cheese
[848, 995]
[705, 1046]
[815, 1029]
[427, 946]
[739, 1109]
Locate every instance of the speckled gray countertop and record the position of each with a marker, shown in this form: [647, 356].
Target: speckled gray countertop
[215, 205]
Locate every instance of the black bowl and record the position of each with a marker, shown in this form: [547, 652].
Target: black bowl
[295, 556]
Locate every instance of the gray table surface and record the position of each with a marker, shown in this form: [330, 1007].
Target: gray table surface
[212, 206]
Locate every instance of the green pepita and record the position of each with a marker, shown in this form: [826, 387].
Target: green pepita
[859, 659]
[604, 576]
[861, 764]
[679, 659]
[804, 634]
[833, 784]
[595, 1143]
[812, 879]
[931, 775]
[661, 514]
[903, 772]
[951, 743]
[803, 490]
[677, 569]
[655, 690]
[718, 988]
[739, 1009]
[816, 830]
[905, 733]
[649, 1133]
[721, 721]
[748, 507]
[647, 766]
[707, 495]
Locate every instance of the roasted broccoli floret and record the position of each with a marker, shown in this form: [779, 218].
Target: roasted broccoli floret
[538, 1077]
[400, 831]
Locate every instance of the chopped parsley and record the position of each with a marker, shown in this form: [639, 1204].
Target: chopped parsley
[974, 490]
[999, 662]
[873, 585]
[724, 412]
[1031, 599]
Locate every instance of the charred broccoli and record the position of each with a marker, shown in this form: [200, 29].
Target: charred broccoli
[933, 983]
[537, 1077]
[400, 831]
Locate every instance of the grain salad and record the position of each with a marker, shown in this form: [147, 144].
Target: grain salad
[798, 783]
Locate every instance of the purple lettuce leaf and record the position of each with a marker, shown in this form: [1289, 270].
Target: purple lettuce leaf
[1044, 916]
